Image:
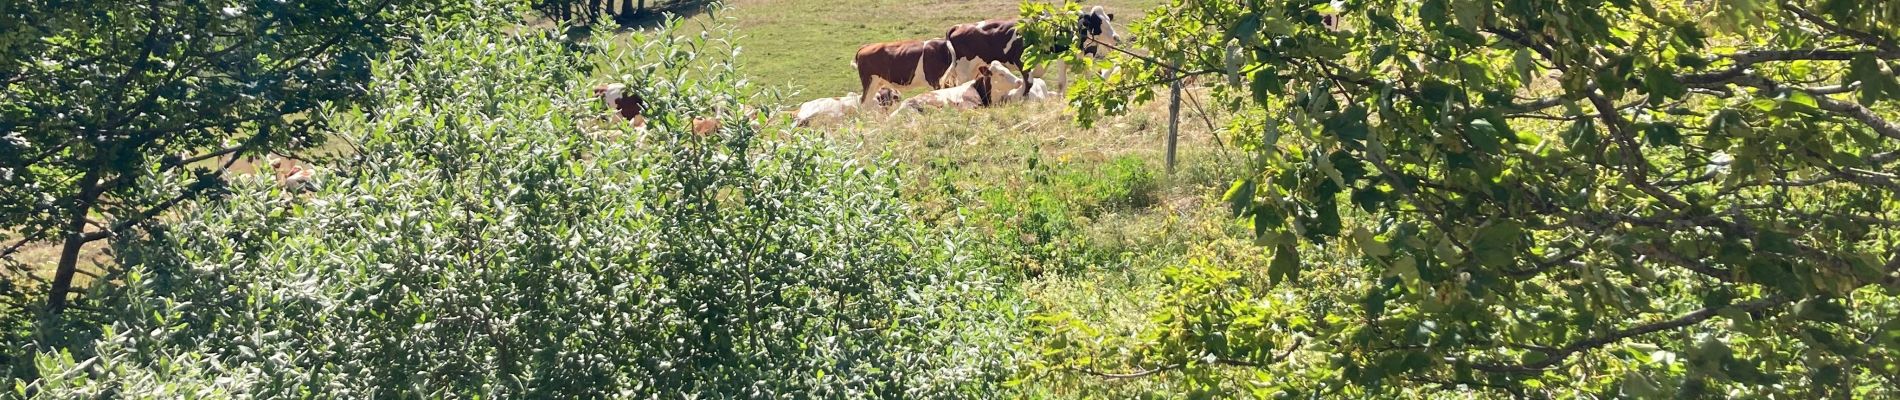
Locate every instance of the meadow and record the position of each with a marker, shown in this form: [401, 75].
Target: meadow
[808, 45]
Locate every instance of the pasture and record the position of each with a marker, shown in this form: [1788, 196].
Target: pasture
[808, 44]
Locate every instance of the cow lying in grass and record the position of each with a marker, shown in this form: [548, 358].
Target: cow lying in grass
[980, 92]
[833, 109]
[293, 177]
[629, 106]
[1037, 89]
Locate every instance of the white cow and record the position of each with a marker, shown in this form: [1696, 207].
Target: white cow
[833, 109]
[1039, 91]
[980, 92]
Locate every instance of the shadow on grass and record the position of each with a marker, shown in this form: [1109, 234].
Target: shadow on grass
[658, 15]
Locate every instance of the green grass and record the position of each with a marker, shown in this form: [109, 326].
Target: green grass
[808, 44]
[1085, 219]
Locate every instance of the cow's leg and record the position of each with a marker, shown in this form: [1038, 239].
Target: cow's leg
[866, 82]
[879, 83]
[1029, 79]
[962, 70]
[1062, 79]
[919, 77]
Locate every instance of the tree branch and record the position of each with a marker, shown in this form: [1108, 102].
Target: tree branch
[1656, 251]
[1552, 358]
[1850, 109]
[1865, 37]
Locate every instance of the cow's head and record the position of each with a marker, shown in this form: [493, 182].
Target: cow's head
[886, 97]
[1002, 80]
[1097, 26]
[982, 85]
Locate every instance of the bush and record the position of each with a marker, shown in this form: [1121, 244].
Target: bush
[481, 241]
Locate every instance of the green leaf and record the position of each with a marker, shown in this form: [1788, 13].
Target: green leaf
[1327, 222]
[1662, 84]
[1240, 196]
[1370, 199]
[1380, 53]
[1875, 85]
[1823, 309]
[1432, 13]
[1349, 125]
[1525, 67]
[1581, 135]
[1663, 133]
[1497, 245]
[1763, 104]
[1611, 82]
[1803, 98]
[1266, 84]
[1247, 30]
[1775, 242]
[1470, 13]
[1286, 263]
[1484, 136]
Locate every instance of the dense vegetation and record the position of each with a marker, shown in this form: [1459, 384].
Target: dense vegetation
[489, 235]
[1443, 198]
[117, 111]
[1533, 197]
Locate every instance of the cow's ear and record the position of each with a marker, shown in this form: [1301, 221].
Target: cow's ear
[1111, 16]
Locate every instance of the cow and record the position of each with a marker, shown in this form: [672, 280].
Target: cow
[628, 105]
[291, 176]
[1036, 91]
[997, 40]
[835, 108]
[979, 92]
[903, 64]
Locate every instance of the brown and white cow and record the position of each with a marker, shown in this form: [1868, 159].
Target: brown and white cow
[628, 105]
[903, 64]
[983, 91]
[997, 40]
[625, 103]
[292, 177]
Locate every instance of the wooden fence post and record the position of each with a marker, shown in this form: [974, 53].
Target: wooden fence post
[1174, 118]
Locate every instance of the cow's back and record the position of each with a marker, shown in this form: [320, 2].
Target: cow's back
[900, 62]
[993, 40]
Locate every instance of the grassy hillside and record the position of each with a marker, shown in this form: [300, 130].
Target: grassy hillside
[1086, 220]
[808, 44]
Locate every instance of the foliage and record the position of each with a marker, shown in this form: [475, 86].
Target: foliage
[1040, 221]
[492, 235]
[1543, 198]
[111, 109]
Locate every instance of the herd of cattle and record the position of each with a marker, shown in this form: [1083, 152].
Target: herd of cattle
[974, 65]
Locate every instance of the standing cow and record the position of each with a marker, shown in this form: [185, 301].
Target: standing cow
[997, 40]
[903, 64]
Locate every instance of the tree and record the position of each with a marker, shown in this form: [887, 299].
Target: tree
[1545, 196]
[114, 111]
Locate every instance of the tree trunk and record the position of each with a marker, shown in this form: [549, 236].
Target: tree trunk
[1174, 119]
[75, 238]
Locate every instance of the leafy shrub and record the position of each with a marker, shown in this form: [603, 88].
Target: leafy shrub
[1126, 182]
[485, 238]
